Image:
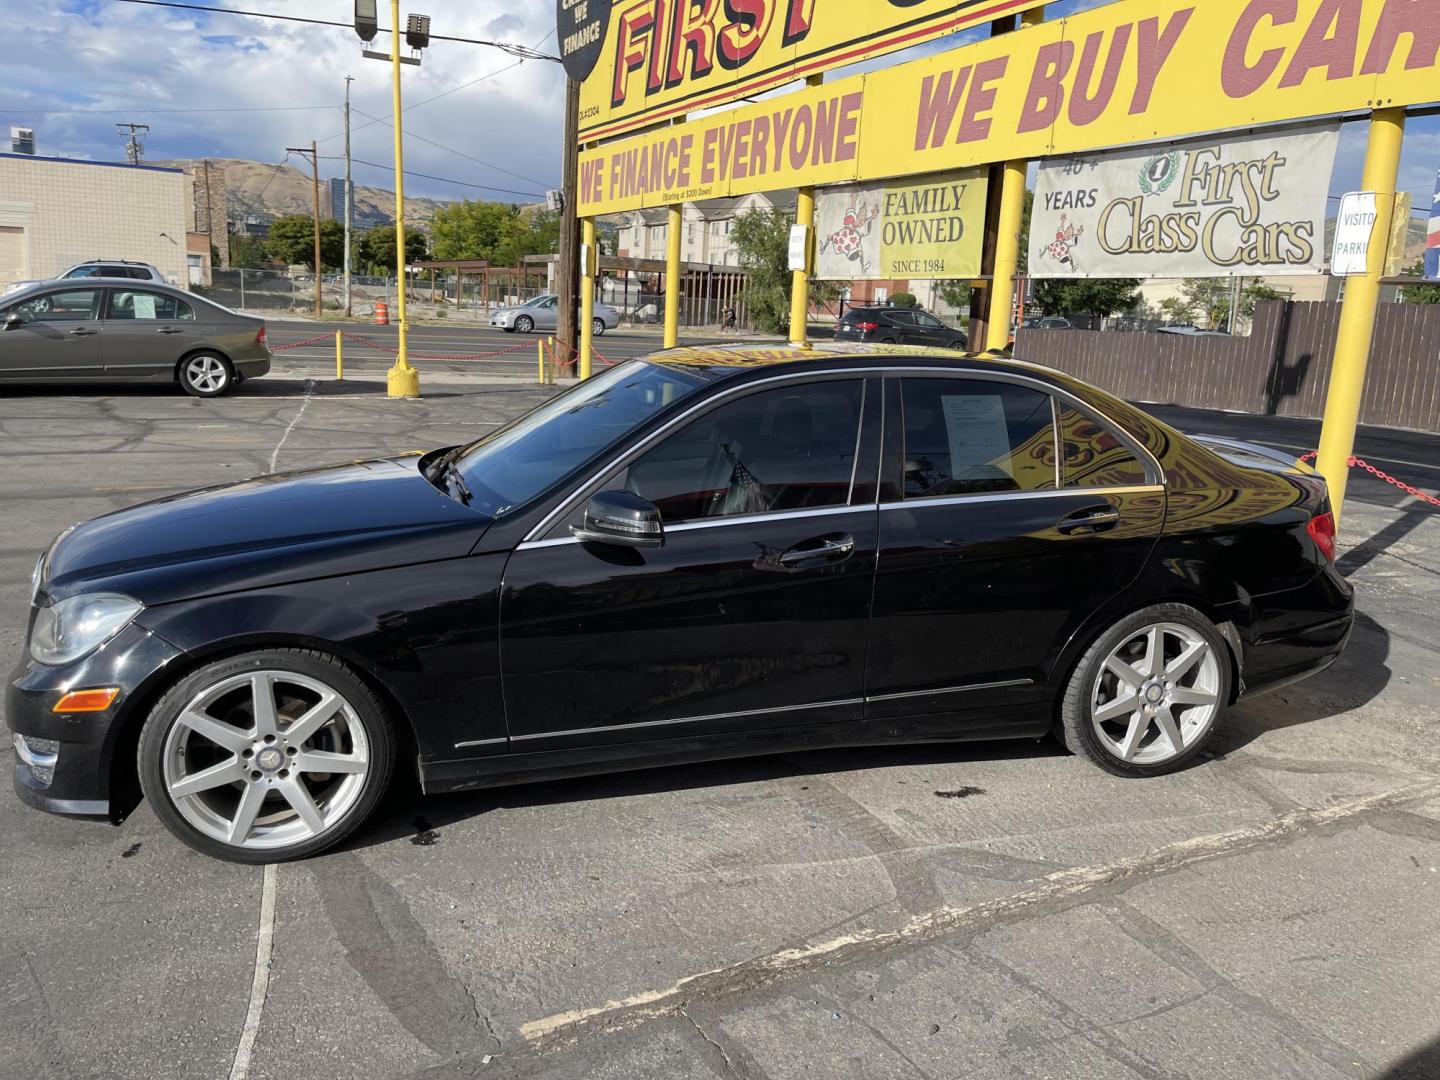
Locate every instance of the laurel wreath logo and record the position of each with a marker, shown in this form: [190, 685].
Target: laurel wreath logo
[1159, 173]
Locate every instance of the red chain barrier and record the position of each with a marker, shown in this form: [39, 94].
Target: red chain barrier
[393, 351]
[1381, 474]
[302, 344]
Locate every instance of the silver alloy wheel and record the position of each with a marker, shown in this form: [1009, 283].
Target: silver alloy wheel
[206, 373]
[524, 324]
[598, 327]
[266, 759]
[1157, 693]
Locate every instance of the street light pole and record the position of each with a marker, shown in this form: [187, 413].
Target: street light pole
[314, 155]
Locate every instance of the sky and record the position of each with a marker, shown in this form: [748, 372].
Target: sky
[213, 85]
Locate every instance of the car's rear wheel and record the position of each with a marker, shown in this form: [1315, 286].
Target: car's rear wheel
[268, 756]
[524, 324]
[1145, 697]
[598, 327]
[206, 375]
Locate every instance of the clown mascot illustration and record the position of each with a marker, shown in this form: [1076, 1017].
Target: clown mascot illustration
[1062, 249]
[849, 240]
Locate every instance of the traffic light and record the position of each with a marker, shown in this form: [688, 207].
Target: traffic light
[367, 19]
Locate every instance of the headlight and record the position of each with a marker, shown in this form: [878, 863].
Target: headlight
[68, 630]
[38, 577]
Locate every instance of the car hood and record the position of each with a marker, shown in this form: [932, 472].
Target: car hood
[326, 522]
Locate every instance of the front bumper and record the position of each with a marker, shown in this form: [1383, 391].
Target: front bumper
[78, 779]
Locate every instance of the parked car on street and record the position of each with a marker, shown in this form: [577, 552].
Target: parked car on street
[113, 330]
[1047, 322]
[709, 553]
[898, 326]
[542, 313]
[1189, 331]
[106, 268]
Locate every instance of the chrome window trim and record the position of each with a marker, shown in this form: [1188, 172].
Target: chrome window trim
[938, 366]
[1012, 496]
[715, 523]
[690, 719]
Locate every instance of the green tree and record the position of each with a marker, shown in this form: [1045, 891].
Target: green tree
[904, 300]
[1427, 293]
[762, 243]
[292, 241]
[496, 232]
[247, 252]
[1178, 310]
[1210, 298]
[1086, 296]
[377, 248]
[956, 294]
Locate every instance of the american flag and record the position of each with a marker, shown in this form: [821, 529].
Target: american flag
[752, 498]
[1432, 239]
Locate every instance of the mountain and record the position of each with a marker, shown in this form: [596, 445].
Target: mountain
[254, 189]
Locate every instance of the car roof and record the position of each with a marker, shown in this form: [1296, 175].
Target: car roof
[723, 360]
[127, 282]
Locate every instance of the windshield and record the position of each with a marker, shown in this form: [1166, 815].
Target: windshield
[513, 465]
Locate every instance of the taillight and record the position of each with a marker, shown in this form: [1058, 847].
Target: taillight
[866, 327]
[260, 337]
[1321, 528]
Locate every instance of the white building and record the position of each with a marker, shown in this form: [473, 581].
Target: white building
[707, 231]
[55, 212]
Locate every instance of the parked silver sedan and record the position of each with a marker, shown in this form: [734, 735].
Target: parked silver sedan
[542, 313]
[119, 330]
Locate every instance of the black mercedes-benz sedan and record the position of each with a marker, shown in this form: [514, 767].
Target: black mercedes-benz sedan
[702, 554]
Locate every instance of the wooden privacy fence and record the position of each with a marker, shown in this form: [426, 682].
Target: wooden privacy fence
[1281, 369]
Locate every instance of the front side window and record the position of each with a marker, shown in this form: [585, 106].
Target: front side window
[71, 305]
[83, 272]
[511, 466]
[976, 437]
[1094, 456]
[148, 306]
[791, 448]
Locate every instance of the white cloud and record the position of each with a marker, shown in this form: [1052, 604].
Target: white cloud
[144, 61]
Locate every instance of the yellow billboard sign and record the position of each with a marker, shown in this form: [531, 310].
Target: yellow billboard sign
[1134, 71]
[646, 62]
[904, 229]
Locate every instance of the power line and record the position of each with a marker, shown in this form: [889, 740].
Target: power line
[514, 50]
[439, 179]
[457, 153]
[437, 97]
[156, 112]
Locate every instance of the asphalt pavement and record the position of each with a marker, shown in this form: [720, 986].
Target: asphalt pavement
[992, 910]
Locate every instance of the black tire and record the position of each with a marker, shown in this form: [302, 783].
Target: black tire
[524, 324]
[959, 346]
[1074, 723]
[206, 375]
[597, 328]
[888, 341]
[367, 709]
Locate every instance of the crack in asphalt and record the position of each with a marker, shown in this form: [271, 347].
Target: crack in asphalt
[1064, 886]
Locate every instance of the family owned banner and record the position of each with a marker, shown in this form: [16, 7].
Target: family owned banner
[924, 228]
[1220, 207]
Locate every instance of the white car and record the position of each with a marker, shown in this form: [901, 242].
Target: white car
[542, 313]
[106, 268]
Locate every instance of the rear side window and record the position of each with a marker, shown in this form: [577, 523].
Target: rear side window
[125, 304]
[1094, 456]
[787, 449]
[976, 437]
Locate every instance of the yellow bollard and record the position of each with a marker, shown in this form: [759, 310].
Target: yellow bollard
[339, 357]
[540, 355]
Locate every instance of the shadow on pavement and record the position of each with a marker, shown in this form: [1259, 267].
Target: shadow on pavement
[1422, 1064]
[406, 812]
[1365, 552]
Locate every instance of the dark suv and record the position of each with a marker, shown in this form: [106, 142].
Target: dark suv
[898, 326]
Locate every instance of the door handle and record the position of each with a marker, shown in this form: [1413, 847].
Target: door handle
[1092, 519]
[830, 547]
[169, 330]
[81, 331]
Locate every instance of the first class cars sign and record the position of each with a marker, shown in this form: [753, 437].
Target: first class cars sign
[659, 59]
[1130, 72]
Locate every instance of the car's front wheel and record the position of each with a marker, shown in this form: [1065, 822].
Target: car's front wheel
[1145, 697]
[524, 324]
[207, 375]
[267, 756]
[598, 327]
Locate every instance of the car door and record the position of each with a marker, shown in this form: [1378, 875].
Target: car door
[931, 331]
[754, 613]
[897, 326]
[54, 335]
[995, 548]
[147, 332]
[547, 313]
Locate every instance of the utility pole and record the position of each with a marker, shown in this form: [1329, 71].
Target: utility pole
[314, 155]
[134, 150]
[568, 271]
[349, 195]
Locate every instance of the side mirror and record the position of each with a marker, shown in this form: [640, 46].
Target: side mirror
[13, 320]
[620, 517]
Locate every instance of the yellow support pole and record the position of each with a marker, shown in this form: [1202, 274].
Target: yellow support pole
[402, 380]
[800, 279]
[587, 297]
[339, 357]
[540, 355]
[1001, 294]
[1357, 313]
[1007, 256]
[674, 222]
